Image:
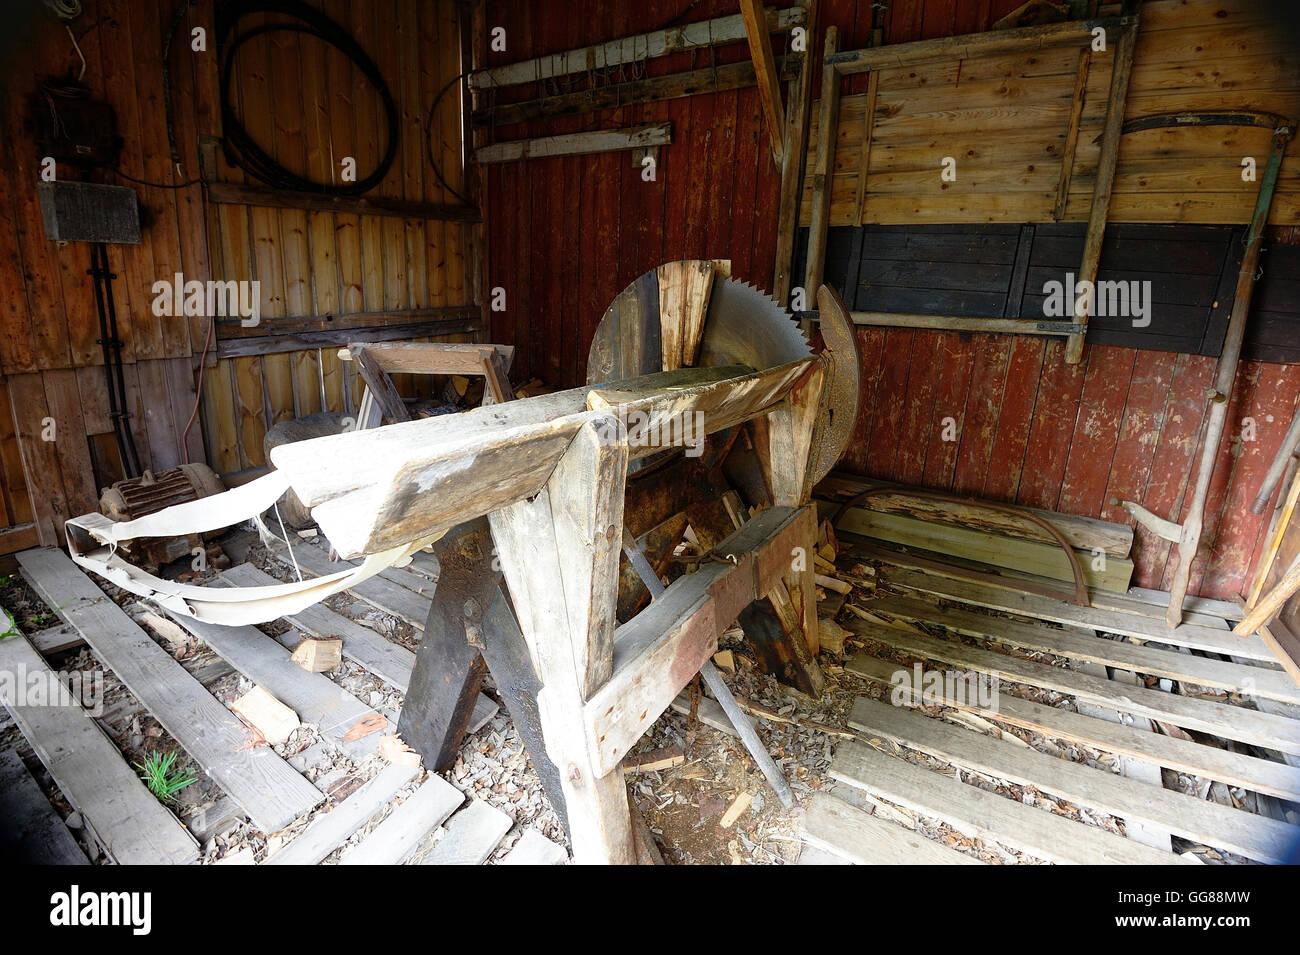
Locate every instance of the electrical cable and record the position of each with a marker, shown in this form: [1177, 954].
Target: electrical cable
[428, 137]
[241, 149]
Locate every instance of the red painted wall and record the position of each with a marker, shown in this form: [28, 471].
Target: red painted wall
[566, 235]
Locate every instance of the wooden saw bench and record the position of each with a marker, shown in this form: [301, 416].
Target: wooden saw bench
[551, 475]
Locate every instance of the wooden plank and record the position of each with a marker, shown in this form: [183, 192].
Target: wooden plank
[576, 144]
[718, 31]
[131, 825]
[995, 550]
[1255, 837]
[1217, 719]
[973, 46]
[235, 345]
[559, 552]
[34, 834]
[398, 837]
[313, 696]
[471, 836]
[793, 158]
[769, 89]
[389, 661]
[379, 592]
[263, 784]
[984, 815]
[1232, 677]
[833, 825]
[330, 830]
[533, 848]
[1084, 533]
[1184, 756]
[239, 194]
[1010, 600]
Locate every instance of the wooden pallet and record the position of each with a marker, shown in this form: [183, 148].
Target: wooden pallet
[933, 620]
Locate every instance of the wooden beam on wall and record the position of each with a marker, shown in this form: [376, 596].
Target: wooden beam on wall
[233, 193]
[769, 88]
[576, 144]
[972, 45]
[825, 165]
[731, 76]
[1072, 133]
[632, 49]
[1112, 130]
[793, 162]
[277, 344]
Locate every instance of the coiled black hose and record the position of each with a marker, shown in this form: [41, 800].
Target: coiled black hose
[239, 146]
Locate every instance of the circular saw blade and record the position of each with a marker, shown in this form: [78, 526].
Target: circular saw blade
[746, 327]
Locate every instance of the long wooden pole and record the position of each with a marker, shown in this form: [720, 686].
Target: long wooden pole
[823, 172]
[1224, 376]
[1121, 69]
[769, 88]
[794, 163]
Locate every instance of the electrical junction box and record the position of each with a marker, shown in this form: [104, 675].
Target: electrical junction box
[89, 212]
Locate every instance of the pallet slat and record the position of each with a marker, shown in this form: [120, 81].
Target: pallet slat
[840, 829]
[1037, 832]
[1235, 769]
[127, 820]
[1256, 837]
[264, 785]
[33, 833]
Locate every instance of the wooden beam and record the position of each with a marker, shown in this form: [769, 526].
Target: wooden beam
[825, 164]
[298, 341]
[1121, 69]
[718, 79]
[233, 193]
[431, 358]
[868, 129]
[769, 89]
[973, 45]
[576, 144]
[559, 552]
[1072, 133]
[342, 321]
[794, 161]
[379, 385]
[633, 49]
[961, 323]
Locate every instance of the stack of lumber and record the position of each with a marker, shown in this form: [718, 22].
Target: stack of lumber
[966, 533]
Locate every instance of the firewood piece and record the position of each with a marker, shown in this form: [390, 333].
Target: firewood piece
[654, 760]
[832, 635]
[735, 810]
[832, 583]
[318, 656]
[275, 721]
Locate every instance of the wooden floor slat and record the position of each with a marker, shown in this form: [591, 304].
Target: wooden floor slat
[263, 784]
[533, 848]
[389, 661]
[397, 838]
[1234, 769]
[32, 833]
[1032, 635]
[330, 830]
[833, 825]
[128, 821]
[379, 592]
[1220, 719]
[1244, 833]
[971, 810]
[313, 696]
[470, 836]
[1009, 600]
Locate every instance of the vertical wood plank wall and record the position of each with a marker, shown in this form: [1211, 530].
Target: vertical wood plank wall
[306, 105]
[566, 235]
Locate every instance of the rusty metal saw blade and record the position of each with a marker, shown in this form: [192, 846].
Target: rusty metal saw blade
[746, 327]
